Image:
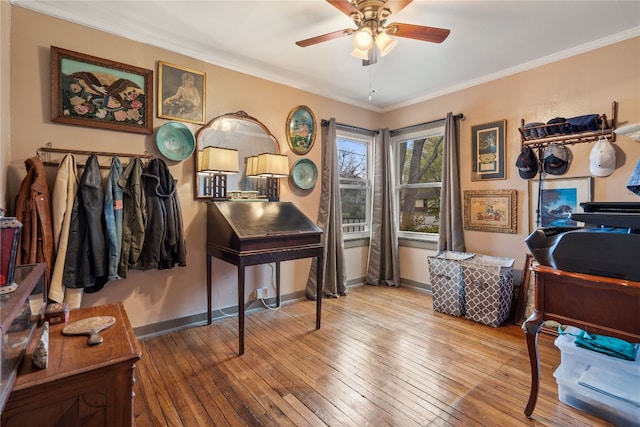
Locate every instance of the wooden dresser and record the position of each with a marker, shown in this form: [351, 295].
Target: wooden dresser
[83, 385]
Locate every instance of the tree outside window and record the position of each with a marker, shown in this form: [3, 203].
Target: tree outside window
[419, 156]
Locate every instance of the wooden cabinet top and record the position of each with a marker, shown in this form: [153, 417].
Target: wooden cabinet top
[71, 355]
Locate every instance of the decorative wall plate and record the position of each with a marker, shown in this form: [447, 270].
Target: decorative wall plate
[304, 174]
[175, 141]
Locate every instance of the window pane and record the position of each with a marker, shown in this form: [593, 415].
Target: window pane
[354, 208]
[420, 209]
[352, 159]
[420, 160]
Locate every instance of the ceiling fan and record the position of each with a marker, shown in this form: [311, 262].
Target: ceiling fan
[373, 35]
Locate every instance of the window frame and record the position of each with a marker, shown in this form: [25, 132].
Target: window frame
[398, 136]
[368, 138]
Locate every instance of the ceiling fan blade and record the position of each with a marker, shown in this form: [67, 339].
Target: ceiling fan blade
[324, 37]
[418, 32]
[344, 6]
[396, 6]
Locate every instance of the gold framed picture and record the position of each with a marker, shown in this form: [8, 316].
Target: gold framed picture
[491, 210]
[181, 93]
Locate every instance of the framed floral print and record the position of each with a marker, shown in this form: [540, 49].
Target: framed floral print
[301, 129]
[488, 151]
[181, 93]
[100, 93]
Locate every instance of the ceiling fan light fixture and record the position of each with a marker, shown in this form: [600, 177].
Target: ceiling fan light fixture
[363, 39]
[385, 43]
[359, 53]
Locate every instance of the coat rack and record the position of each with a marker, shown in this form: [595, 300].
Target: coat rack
[46, 155]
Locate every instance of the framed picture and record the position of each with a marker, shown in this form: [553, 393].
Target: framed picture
[488, 151]
[559, 198]
[95, 92]
[491, 210]
[181, 93]
[526, 297]
[301, 129]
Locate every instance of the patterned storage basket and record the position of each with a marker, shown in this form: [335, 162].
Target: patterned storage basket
[447, 281]
[488, 285]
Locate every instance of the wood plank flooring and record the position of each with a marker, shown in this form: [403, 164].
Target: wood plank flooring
[383, 357]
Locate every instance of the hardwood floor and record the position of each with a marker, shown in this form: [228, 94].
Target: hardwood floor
[383, 357]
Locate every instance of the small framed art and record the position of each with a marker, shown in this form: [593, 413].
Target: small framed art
[559, 198]
[181, 93]
[488, 151]
[491, 210]
[301, 129]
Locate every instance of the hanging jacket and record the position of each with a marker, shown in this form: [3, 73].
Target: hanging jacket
[113, 218]
[63, 196]
[86, 262]
[134, 216]
[164, 244]
[33, 210]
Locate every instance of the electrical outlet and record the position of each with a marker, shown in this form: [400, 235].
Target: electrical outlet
[262, 293]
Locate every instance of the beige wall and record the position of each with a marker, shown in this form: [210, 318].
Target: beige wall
[156, 296]
[5, 28]
[584, 84]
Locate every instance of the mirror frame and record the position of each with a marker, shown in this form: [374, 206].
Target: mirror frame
[239, 115]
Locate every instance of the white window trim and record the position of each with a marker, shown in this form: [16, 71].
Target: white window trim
[397, 137]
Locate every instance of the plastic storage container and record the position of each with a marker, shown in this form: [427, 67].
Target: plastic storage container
[604, 386]
[447, 281]
[488, 283]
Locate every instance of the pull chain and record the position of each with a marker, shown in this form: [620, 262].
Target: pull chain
[371, 89]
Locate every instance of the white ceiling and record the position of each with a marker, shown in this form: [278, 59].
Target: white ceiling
[488, 40]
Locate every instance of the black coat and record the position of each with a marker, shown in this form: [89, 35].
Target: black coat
[164, 243]
[86, 261]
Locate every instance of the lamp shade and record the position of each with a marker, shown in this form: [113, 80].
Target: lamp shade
[252, 167]
[219, 160]
[363, 39]
[273, 165]
[362, 54]
[385, 43]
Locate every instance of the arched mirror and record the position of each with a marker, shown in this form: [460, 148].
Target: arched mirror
[240, 132]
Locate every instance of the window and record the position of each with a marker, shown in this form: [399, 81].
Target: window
[354, 165]
[418, 156]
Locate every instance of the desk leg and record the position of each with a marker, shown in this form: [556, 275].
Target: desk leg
[277, 283]
[531, 328]
[319, 287]
[209, 308]
[241, 309]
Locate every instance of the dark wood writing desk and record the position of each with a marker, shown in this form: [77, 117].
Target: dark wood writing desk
[253, 233]
[597, 304]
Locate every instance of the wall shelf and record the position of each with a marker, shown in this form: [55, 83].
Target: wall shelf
[607, 129]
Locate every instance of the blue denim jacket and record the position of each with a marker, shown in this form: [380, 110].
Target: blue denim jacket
[113, 218]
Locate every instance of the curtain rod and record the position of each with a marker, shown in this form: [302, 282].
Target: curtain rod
[325, 122]
[459, 116]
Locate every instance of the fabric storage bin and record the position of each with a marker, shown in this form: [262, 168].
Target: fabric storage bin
[447, 281]
[488, 283]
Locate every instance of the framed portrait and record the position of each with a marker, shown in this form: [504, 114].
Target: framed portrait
[181, 93]
[100, 93]
[301, 129]
[559, 198]
[488, 151]
[491, 210]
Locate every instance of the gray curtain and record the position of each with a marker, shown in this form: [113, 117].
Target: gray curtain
[383, 263]
[330, 221]
[451, 237]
